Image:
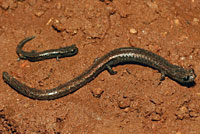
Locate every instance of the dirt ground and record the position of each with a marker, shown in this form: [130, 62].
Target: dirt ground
[130, 102]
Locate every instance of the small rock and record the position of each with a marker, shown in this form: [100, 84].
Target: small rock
[41, 83]
[126, 110]
[198, 94]
[182, 58]
[4, 5]
[195, 21]
[183, 109]
[39, 13]
[155, 117]
[181, 113]
[48, 0]
[124, 103]
[97, 92]
[152, 5]
[32, 2]
[59, 27]
[190, 57]
[177, 22]
[194, 114]
[133, 31]
[58, 6]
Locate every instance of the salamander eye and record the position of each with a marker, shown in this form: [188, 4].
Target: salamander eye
[72, 50]
[186, 78]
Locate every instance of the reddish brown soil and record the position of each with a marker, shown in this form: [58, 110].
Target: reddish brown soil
[131, 102]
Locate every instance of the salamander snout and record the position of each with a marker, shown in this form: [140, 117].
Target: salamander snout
[189, 76]
[182, 75]
[69, 51]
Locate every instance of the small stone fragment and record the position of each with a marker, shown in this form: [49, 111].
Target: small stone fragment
[183, 109]
[126, 110]
[155, 117]
[133, 31]
[58, 6]
[32, 2]
[198, 94]
[182, 58]
[48, 0]
[182, 113]
[39, 13]
[177, 22]
[97, 92]
[152, 5]
[194, 114]
[124, 103]
[41, 83]
[195, 21]
[4, 5]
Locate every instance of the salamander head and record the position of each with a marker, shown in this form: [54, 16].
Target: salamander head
[69, 51]
[184, 76]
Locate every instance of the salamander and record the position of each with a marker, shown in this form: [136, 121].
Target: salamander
[47, 54]
[106, 62]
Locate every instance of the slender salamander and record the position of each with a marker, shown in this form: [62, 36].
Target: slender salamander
[47, 54]
[113, 58]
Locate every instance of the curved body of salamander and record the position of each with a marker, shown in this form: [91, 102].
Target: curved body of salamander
[113, 58]
[47, 54]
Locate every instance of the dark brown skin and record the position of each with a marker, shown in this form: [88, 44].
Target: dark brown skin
[47, 54]
[113, 58]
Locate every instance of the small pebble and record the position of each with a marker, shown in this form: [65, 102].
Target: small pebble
[126, 110]
[198, 94]
[32, 2]
[39, 13]
[183, 109]
[58, 6]
[152, 5]
[124, 103]
[155, 117]
[193, 114]
[182, 58]
[4, 5]
[195, 21]
[177, 22]
[97, 92]
[41, 83]
[190, 57]
[48, 0]
[133, 31]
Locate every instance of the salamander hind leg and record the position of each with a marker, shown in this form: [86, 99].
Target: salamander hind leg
[110, 70]
[95, 60]
[162, 76]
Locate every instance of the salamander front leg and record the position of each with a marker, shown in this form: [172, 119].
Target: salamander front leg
[110, 70]
[57, 58]
[18, 59]
[162, 77]
[21, 57]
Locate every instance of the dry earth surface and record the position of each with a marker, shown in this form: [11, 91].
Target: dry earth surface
[130, 102]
